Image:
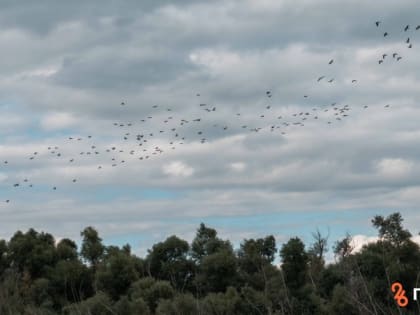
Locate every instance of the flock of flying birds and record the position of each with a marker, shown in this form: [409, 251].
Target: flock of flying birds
[408, 42]
[143, 148]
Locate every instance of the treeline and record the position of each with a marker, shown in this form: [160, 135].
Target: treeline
[208, 276]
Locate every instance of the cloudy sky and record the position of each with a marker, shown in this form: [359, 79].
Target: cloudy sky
[264, 168]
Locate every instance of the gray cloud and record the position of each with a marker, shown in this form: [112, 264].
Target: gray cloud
[66, 67]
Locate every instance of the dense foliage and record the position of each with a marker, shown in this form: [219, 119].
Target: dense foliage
[41, 276]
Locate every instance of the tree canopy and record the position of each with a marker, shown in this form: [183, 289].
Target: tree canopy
[39, 275]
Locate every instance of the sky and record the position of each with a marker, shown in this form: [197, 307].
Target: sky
[97, 70]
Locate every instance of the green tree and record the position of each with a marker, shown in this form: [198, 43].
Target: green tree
[100, 304]
[255, 254]
[294, 263]
[390, 228]
[217, 271]
[169, 261]
[316, 255]
[151, 291]
[70, 282]
[227, 303]
[4, 260]
[116, 273]
[343, 248]
[181, 304]
[206, 243]
[67, 250]
[255, 258]
[40, 293]
[32, 252]
[125, 306]
[92, 248]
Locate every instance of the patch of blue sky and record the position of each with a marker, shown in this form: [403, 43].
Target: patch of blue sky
[36, 193]
[107, 193]
[290, 224]
[34, 132]
[133, 239]
[301, 224]
[98, 193]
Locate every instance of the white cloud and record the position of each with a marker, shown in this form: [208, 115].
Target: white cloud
[358, 241]
[58, 120]
[394, 168]
[238, 166]
[178, 169]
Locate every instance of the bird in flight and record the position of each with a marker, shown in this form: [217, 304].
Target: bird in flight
[377, 23]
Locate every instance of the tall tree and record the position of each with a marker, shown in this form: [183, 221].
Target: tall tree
[217, 271]
[92, 248]
[343, 248]
[316, 255]
[116, 273]
[67, 250]
[32, 252]
[206, 243]
[390, 228]
[3, 256]
[169, 260]
[294, 263]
